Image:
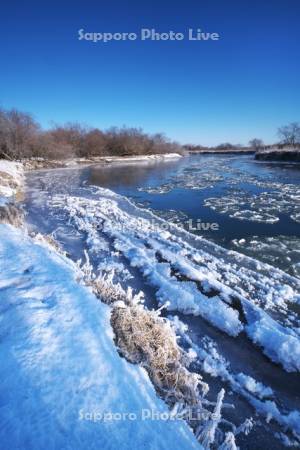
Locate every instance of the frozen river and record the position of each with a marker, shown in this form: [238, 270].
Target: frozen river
[241, 312]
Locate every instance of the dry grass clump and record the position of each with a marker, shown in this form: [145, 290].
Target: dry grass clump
[11, 214]
[37, 164]
[49, 240]
[104, 287]
[7, 180]
[145, 338]
[108, 292]
[52, 242]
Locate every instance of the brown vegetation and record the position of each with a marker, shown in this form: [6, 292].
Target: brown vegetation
[22, 137]
[11, 214]
[145, 338]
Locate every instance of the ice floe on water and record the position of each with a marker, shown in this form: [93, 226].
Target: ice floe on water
[162, 189]
[282, 251]
[265, 207]
[236, 206]
[244, 203]
[296, 217]
[196, 177]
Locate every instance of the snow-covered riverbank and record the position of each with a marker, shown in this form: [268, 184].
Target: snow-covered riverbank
[40, 163]
[61, 367]
[60, 370]
[287, 153]
[63, 384]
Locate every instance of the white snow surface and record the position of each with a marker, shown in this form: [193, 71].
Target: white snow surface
[59, 362]
[148, 157]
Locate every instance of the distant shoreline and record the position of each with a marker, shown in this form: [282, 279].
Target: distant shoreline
[225, 151]
[279, 155]
[40, 163]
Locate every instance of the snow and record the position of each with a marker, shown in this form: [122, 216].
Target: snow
[181, 296]
[142, 158]
[279, 343]
[14, 169]
[253, 386]
[60, 370]
[11, 178]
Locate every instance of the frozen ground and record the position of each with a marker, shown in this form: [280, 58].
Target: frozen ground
[240, 316]
[60, 371]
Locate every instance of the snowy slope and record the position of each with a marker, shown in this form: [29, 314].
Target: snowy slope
[59, 362]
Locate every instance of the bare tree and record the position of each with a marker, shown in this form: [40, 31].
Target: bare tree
[18, 134]
[93, 144]
[257, 144]
[22, 137]
[290, 134]
[226, 146]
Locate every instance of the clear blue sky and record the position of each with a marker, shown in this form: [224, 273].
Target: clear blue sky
[244, 85]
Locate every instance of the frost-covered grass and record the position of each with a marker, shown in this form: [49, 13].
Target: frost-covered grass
[145, 338]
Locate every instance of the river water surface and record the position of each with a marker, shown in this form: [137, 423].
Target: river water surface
[256, 204]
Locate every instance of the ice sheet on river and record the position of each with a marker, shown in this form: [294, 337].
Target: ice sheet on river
[234, 293]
